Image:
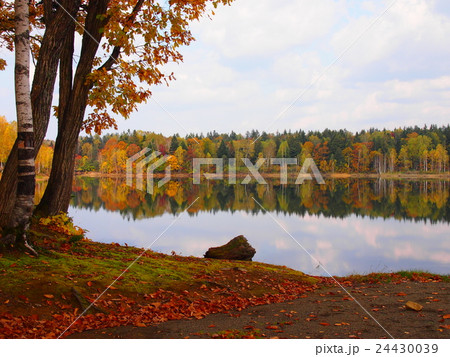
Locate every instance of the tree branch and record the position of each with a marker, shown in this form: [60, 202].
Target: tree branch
[113, 58]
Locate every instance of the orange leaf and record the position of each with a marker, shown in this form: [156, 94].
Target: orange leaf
[49, 296]
[446, 316]
[271, 327]
[89, 283]
[445, 326]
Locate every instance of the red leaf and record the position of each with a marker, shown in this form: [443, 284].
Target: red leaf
[89, 283]
[445, 326]
[324, 323]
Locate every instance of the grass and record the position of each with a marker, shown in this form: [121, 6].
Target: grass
[91, 267]
[412, 275]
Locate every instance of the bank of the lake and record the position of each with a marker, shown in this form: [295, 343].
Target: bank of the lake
[43, 296]
[413, 175]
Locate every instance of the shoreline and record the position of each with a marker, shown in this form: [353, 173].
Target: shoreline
[276, 175]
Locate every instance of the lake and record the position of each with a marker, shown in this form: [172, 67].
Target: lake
[348, 225]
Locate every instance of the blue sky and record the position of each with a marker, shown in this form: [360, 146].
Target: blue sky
[254, 58]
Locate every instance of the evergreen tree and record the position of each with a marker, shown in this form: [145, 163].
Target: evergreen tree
[173, 145]
[223, 151]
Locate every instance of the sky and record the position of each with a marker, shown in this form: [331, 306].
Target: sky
[300, 64]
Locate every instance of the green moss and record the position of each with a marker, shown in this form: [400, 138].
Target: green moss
[91, 267]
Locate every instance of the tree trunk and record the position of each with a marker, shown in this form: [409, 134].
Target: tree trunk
[56, 198]
[24, 197]
[43, 86]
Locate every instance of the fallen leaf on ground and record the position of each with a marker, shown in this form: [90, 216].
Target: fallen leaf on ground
[414, 306]
[271, 327]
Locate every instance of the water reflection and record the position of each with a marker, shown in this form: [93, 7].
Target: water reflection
[349, 225]
[412, 200]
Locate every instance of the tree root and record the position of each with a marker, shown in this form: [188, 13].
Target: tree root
[10, 240]
[85, 304]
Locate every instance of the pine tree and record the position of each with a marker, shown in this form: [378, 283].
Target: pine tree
[223, 151]
[174, 144]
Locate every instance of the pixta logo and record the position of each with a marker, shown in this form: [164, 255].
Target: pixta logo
[140, 162]
[253, 170]
[145, 163]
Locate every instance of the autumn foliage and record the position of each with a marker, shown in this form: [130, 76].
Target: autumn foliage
[333, 151]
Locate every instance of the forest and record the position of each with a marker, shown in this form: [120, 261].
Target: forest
[373, 151]
[409, 149]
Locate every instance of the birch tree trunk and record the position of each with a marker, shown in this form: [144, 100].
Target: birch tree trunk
[58, 26]
[24, 201]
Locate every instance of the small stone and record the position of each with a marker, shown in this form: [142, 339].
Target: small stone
[414, 306]
[240, 269]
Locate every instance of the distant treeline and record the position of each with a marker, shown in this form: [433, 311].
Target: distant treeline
[374, 151]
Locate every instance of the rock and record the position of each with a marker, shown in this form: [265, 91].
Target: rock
[236, 249]
[413, 306]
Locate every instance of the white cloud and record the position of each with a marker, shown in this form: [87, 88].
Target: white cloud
[261, 27]
[409, 38]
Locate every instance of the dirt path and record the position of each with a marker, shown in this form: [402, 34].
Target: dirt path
[322, 314]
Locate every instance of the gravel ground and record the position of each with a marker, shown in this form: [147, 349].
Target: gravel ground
[327, 313]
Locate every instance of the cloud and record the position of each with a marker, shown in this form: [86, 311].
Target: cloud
[254, 28]
[406, 43]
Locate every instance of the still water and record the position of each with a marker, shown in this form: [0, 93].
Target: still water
[348, 225]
